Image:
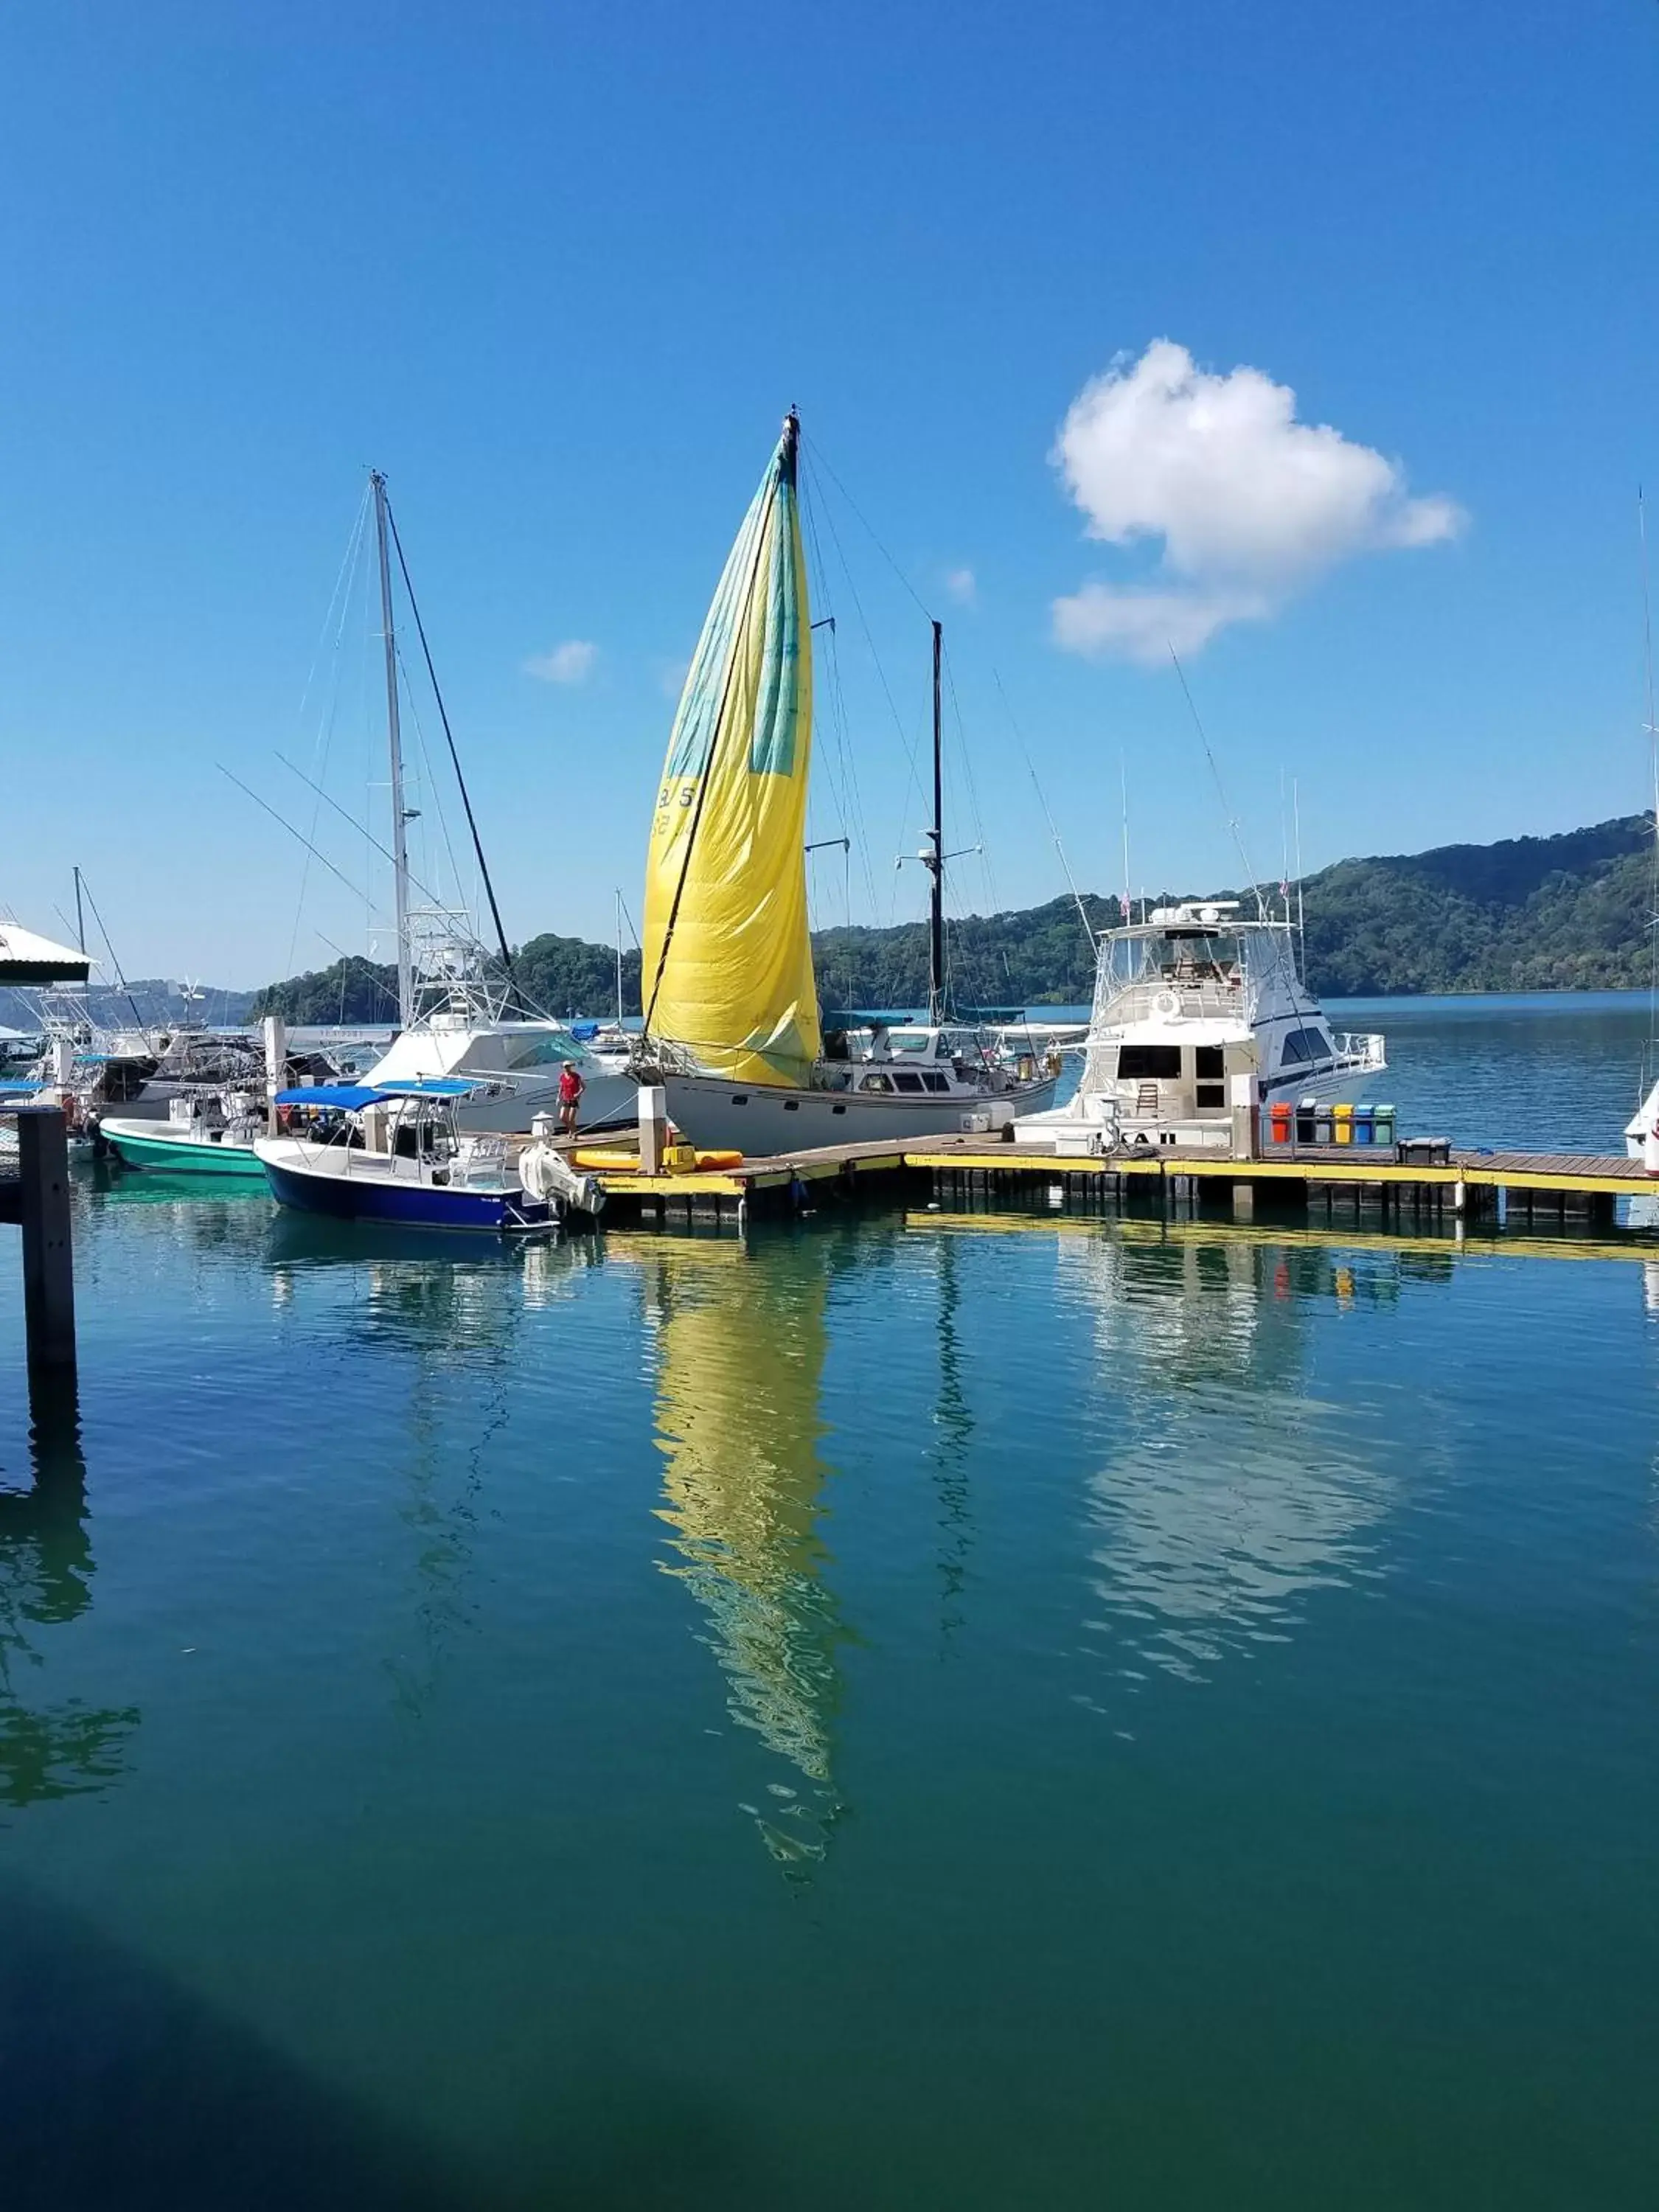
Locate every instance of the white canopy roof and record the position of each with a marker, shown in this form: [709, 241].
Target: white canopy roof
[27, 958]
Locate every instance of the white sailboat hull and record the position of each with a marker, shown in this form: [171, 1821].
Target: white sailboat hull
[763, 1121]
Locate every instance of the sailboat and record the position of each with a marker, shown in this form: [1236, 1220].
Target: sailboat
[733, 1032]
[453, 1020]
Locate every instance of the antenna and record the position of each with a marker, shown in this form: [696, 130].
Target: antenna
[1301, 930]
[1123, 786]
[1232, 820]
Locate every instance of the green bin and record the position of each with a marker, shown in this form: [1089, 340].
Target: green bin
[1385, 1124]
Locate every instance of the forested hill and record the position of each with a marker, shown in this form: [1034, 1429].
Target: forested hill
[1532, 914]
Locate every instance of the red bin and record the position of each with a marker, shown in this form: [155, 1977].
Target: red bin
[1280, 1112]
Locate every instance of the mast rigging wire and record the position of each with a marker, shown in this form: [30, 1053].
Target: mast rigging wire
[115, 963]
[454, 756]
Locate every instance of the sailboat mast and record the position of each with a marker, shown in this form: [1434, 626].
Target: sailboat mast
[79, 919]
[394, 741]
[935, 859]
[619, 960]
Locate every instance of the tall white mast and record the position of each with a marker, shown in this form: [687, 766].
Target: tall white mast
[394, 740]
[619, 959]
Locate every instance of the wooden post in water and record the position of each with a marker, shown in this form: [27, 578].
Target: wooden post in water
[275, 1039]
[48, 1259]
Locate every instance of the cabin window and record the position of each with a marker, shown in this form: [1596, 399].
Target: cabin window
[906, 1081]
[1208, 1064]
[739, 1097]
[1210, 1096]
[1142, 1063]
[935, 1081]
[792, 1105]
[838, 1109]
[876, 1083]
[1304, 1044]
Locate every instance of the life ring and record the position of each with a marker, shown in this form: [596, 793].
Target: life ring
[1168, 1004]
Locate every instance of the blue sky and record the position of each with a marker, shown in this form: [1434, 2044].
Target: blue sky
[559, 272]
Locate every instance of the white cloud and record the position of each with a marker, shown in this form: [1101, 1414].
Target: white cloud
[1250, 504]
[962, 585]
[569, 663]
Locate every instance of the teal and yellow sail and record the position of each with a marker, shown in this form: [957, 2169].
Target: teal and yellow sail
[728, 960]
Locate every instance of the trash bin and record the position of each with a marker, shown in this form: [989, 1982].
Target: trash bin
[1324, 1133]
[1342, 1123]
[1279, 1115]
[1385, 1124]
[1365, 1123]
[1305, 1111]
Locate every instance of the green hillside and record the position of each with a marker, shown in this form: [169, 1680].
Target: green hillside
[1532, 913]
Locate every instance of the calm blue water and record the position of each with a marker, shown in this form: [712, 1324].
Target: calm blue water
[916, 1712]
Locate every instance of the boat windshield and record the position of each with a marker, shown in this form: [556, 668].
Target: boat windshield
[1181, 957]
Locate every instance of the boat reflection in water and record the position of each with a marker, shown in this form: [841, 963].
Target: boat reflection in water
[740, 1345]
[70, 1748]
[443, 1294]
[453, 1307]
[1237, 1490]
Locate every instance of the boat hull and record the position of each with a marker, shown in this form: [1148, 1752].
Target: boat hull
[328, 1184]
[148, 1145]
[720, 1116]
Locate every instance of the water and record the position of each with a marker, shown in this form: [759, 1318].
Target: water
[921, 1711]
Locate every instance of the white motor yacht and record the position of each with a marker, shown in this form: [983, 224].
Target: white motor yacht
[1189, 998]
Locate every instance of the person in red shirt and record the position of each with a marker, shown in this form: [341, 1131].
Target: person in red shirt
[570, 1097]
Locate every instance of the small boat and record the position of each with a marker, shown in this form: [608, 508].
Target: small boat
[390, 1153]
[733, 1031]
[1188, 998]
[202, 1135]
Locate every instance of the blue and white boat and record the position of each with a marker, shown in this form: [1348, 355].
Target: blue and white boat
[358, 1151]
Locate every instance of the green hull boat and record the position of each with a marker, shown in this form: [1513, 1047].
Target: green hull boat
[156, 1145]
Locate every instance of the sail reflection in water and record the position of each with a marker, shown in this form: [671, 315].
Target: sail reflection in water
[1237, 1491]
[740, 1349]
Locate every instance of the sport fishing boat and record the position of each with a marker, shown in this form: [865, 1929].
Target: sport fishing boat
[397, 1154]
[733, 1031]
[1186, 1000]
[203, 1134]
[461, 1031]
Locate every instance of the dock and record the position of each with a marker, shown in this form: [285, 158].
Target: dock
[1423, 1182]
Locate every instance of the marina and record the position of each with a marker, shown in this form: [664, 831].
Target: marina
[828, 1112]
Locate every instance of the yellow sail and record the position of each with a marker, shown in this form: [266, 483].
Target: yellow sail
[728, 961]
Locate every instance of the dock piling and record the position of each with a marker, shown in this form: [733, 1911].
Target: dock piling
[48, 1257]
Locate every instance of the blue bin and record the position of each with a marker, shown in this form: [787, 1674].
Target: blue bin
[1364, 1125]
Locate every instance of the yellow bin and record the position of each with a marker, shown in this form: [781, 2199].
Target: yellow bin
[1342, 1121]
